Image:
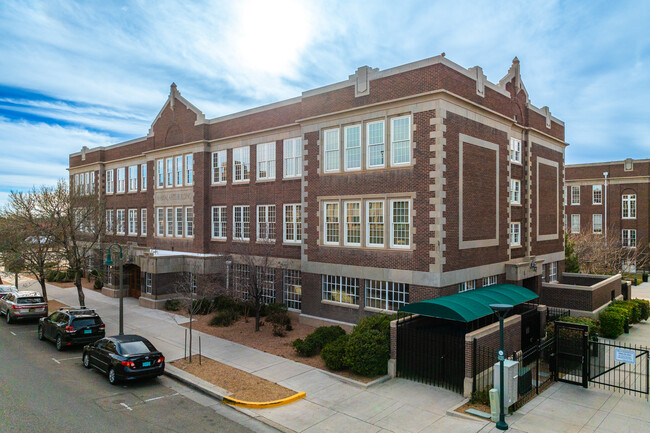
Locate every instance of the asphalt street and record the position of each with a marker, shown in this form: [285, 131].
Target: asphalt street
[43, 390]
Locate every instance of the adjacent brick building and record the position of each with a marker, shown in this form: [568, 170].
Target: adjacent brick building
[389, 187]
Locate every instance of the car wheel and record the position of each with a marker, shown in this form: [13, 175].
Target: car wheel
[86, 360]
[59, 343]
[8, 316]
[40, 333]
[112, 379]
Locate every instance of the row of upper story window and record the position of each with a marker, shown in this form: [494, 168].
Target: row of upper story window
[117, 223]
[266, 223]
[628, 236]
[134, 178]
[84, 183]
[628, 201]
[175, 171]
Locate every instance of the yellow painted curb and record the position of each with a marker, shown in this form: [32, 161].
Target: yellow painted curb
[265, 404]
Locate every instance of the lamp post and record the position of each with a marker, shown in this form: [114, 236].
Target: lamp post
[109, 262]
[501, 310]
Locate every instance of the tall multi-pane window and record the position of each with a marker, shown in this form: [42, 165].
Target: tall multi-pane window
[143, 221]
[189, 169]
[292, 152]
[352, 145]
[515, 150]
[575, 223]
[109, 221]
[575, 195]
[219, 222]
[133, 178]
[147, 282]
[178, 166]
[189, 221]
[241, 222]
[170, 221]
[400, 140]
[552, 272]
[400, 223]
[375, 223]
[386, 295]
[143, 177]
[597, 223]
[77, 183]
[266, 282]
[121, 181]
[160, 221]
[219, 165]
[515, 191]
[160, 167]
[597, 194]
[332, 149]
[466, 286]
[375, 143]
[179, 222]
[266, 222]
[340, 289]
[110, 184]
[515, 234]
[292, 223]
[629, 206]
[489, 281]
[331, 223]
[133, 221]
[564, 194]
[352, 215]
[241, 280]
[292, 287]
[629, 238]
[169, 168]
[119, 226]
[241, 164]
[266, 161]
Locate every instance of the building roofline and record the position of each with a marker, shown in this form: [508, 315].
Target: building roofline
[596, 164]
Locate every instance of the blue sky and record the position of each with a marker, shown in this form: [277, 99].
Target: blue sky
[96, 73]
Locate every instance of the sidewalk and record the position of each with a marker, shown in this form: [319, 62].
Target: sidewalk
[333, 405]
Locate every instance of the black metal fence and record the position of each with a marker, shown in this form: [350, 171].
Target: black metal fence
[619, 366]
[552, 313]
[430, 353]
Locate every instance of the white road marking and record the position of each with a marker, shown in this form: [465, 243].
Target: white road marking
[126, 406]
[158, 398]
[68, 359]
[12, 333]
[56, 361]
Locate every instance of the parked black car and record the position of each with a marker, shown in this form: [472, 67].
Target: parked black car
[124, 357]
[68, 326]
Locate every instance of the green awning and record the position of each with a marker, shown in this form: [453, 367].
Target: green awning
[471, 305]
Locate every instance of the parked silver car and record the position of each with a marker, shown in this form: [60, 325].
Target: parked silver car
[5, 289]
[23, 305]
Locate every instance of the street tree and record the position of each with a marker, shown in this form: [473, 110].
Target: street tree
[610, 253]
[11, 246]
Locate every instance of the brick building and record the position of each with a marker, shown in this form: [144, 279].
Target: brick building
[389, 187]
[609, 197]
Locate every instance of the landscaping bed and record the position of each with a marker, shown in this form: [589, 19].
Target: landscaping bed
[53, 305]
[242, 385]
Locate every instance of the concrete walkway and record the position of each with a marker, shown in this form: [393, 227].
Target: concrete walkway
[334, 405]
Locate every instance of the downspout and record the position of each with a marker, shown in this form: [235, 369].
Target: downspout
[605, 210]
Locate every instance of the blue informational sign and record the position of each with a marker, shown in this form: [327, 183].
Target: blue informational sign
[624, 355]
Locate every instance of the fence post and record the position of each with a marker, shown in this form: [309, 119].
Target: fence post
[185, 346]
[473, 365]
[647, 375]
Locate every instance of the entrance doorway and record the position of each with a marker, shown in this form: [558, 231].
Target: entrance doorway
[132, 279]
[531, 284]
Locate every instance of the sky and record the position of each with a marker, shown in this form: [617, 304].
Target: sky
[96, 73]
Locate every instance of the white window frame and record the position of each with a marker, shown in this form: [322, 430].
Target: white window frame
[575, 195]
[189, 169]
[143, 221]
[564, 193]
[265, 156]
[490, 281]
[133, 178]
[515, 150]
[110, 222]
[348, 147]
[346, 289]
[179, 222]
[143, 177]
[121, 181]
[160, 221]
[597, 198]
[219, 222]
[346, 223]
[189, 221]
[392, 223]
[169, 222]
[292, 154]
[148, 283]
[110, 183]
[575, 223]
[241, 157]
[383, 223]
[178, 170]
[120, 221]
[242, 222]
[133, 222]
[628, 206]
[466, 286]
[264, 214]
[369, 145]
[160, 175]
[515, 191]
[385, 295]
[332, 147]
[597, 223]
[169, 172]
[393, 141]
[628, 238]
[219, 167]
[552, 272]
[295, 223]
[327, 223]
[515, 234]
[292, 289]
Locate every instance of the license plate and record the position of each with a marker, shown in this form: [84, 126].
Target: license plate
[146, 364]
[88, 331]
[31, 310]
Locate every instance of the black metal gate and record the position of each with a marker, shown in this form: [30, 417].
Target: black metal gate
[571, 352]
[619, 366]
[530, 321]
[431, 352]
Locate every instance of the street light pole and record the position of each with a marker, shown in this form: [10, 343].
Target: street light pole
[109, 262]
[501, 310]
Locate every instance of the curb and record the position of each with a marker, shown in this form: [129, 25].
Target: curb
[355, 382]
[195, 383]
[263, 405]
[452, 412]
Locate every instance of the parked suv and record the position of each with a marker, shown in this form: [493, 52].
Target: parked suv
[23, 305]
[5, 289]
[68, 326]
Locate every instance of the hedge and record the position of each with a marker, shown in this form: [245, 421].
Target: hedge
[367, 352]
[611, 323]
[644, 308]
[314, 342]
[593, 324]
[224, 318]
[334, 353]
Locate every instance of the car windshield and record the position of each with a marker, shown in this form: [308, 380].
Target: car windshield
[7, 289]
[86, 321]
[136, 347]
[34, 300]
